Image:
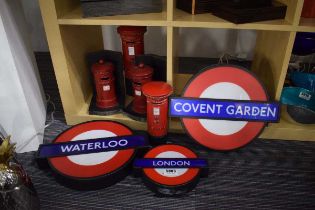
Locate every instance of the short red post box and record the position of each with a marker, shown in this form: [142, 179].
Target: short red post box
[139, 75]
[104, 81]
[132, 38]
[157, 94]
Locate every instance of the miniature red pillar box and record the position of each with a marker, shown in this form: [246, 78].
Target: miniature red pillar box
[139, 75]
[157, 94]
[132, 38]
[104, 84]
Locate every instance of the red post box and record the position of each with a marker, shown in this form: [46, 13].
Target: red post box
[139, 76]
[157, 94]
[132, 38]
[104, 81]
[308, 9]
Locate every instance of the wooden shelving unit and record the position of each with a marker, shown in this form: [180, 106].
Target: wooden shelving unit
[71, 37]
[184, 19]
[74, 17]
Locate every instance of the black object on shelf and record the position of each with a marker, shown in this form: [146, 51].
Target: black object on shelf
[301, 114]
[191, 65]
[97, 8]
[116, 59]
[246, 3]
[304, 44]
[158, 63]
[236, 14]
[197, 6]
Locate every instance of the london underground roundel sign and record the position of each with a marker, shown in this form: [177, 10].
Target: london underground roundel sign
[171, 170]
[92, 170]
[220, 83]
[163, 176]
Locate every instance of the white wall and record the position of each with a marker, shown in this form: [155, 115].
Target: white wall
[22, 104]
[35, 25]
[193, 42]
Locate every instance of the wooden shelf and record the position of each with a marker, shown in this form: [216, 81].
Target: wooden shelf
[83, 115]
[184, 19]
[71, 37]
[74, 17]
[307, 25]
[181, 19]
[287, 129]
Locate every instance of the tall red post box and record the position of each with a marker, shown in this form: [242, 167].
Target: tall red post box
[132, 38]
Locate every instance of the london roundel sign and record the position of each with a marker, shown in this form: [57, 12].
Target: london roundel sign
[171, 170]
[224, 107]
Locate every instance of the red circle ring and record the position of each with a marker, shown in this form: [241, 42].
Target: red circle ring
[210, 76]
[189, 175]
[66, 167]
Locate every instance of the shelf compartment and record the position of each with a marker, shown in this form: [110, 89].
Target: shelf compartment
[74, 17]
[189, 61]
[184, 19]
[72, 71]
[272, 54]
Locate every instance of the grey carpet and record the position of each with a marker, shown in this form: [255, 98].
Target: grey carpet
[266, 174]
[263, 175]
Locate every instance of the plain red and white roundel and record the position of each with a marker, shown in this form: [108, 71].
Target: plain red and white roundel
[224, 82]
[171, 176]
[94, 164]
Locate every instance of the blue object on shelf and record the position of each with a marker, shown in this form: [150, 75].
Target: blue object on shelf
[304, 44]
[304, 80]
[298, 97]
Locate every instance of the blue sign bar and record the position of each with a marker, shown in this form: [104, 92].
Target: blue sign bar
[170, 163]
[91, 146]
[201, 108]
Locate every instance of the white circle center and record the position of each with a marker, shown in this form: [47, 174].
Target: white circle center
[224, 90]
[171, 172]
[93, 158]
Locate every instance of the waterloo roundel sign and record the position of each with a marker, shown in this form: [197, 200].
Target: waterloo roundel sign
[93, 170]
[225, 83]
